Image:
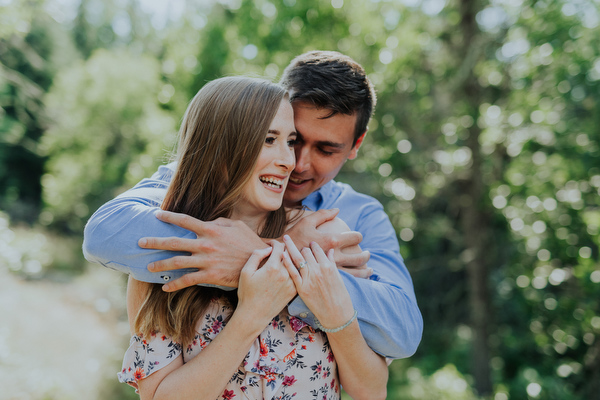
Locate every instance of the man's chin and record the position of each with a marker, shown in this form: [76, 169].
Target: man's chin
[293, 197]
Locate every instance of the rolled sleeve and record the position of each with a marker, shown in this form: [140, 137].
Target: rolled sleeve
[112, 233]
[388, 313]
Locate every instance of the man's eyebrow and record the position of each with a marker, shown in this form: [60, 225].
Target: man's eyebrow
[326, 143]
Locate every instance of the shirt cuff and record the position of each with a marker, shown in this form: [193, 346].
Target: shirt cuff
[298, 309]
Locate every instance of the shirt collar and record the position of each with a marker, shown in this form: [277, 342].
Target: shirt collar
[315, 200]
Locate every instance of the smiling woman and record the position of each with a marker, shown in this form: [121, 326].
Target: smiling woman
[233, 132]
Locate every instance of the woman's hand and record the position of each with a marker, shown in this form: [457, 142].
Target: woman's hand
[363, 373]
[265, 288]
[319, 283]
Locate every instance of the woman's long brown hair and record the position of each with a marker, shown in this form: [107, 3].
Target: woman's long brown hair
[221, 136]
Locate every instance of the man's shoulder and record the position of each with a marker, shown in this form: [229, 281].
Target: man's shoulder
[361, 212]
[342, 189]
[342, 193]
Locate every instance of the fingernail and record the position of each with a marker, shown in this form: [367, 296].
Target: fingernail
[165, 288]
[142, 242]
[158, 214]
[286, 237]
[369, 272]
[151, 267]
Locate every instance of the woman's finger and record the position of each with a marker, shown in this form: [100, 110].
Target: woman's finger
[295, 274]
[318, 253]
[275, 257]
[308, 256]
[294, 253]
[255, 259]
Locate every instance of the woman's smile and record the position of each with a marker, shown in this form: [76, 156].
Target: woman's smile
[275, 183]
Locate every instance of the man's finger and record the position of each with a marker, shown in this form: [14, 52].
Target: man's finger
[349, 239]
[363, 273]
[170, 264]
[182, 220]
[225, 222]
[322, 216]
[169, 243]
[356, 260]
[318, 253]
[187, 280]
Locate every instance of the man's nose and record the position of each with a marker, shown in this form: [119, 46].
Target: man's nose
[302, 159]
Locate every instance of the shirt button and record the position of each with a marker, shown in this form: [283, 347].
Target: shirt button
[303, 315]
[166, 278]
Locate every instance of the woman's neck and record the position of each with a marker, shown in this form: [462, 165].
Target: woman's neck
[255, 221]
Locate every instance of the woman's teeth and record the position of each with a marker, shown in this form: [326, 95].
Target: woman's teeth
[271, 182]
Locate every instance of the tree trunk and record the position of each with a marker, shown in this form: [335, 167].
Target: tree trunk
[474, 218]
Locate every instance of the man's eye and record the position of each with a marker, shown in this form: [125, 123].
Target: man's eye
[325, 152]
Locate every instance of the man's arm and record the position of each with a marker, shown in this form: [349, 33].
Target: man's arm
[111, 238]
[388, 313]
[390, 287]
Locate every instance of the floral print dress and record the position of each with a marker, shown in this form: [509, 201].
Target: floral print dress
[289, 359]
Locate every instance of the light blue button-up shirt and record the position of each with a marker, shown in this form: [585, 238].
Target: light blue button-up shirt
[388, 314]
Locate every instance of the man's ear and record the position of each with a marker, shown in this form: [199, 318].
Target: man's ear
[354, 151]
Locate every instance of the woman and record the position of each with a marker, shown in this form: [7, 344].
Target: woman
[235, 157]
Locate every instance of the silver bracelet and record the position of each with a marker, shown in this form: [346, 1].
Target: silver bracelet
[339, 328]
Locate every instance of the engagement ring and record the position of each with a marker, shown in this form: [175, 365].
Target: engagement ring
[302, 264]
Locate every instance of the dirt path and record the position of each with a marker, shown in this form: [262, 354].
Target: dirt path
[61, 340]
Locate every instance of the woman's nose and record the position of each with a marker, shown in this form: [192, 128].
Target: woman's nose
[287, 158]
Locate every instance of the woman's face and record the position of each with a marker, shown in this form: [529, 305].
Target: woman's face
[264, 191]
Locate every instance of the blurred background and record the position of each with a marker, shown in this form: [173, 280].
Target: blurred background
[484, 150]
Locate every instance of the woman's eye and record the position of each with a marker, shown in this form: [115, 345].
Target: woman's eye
[270, 140]
[292, 142]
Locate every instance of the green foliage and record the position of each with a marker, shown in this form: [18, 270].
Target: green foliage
[484, 151]
[25, 75]
[109, 131]
[445, 383]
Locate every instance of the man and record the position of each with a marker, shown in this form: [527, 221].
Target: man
[333, 101]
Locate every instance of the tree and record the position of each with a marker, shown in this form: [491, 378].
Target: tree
[26, 47]
[108, 131]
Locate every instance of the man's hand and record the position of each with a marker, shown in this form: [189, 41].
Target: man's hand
[219, 252]
[322, 227]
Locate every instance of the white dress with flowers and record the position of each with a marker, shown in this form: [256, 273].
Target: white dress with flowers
[288, 360]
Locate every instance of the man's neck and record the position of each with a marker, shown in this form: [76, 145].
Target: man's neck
[293, 204]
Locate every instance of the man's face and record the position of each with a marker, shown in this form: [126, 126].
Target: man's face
[323, 146]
